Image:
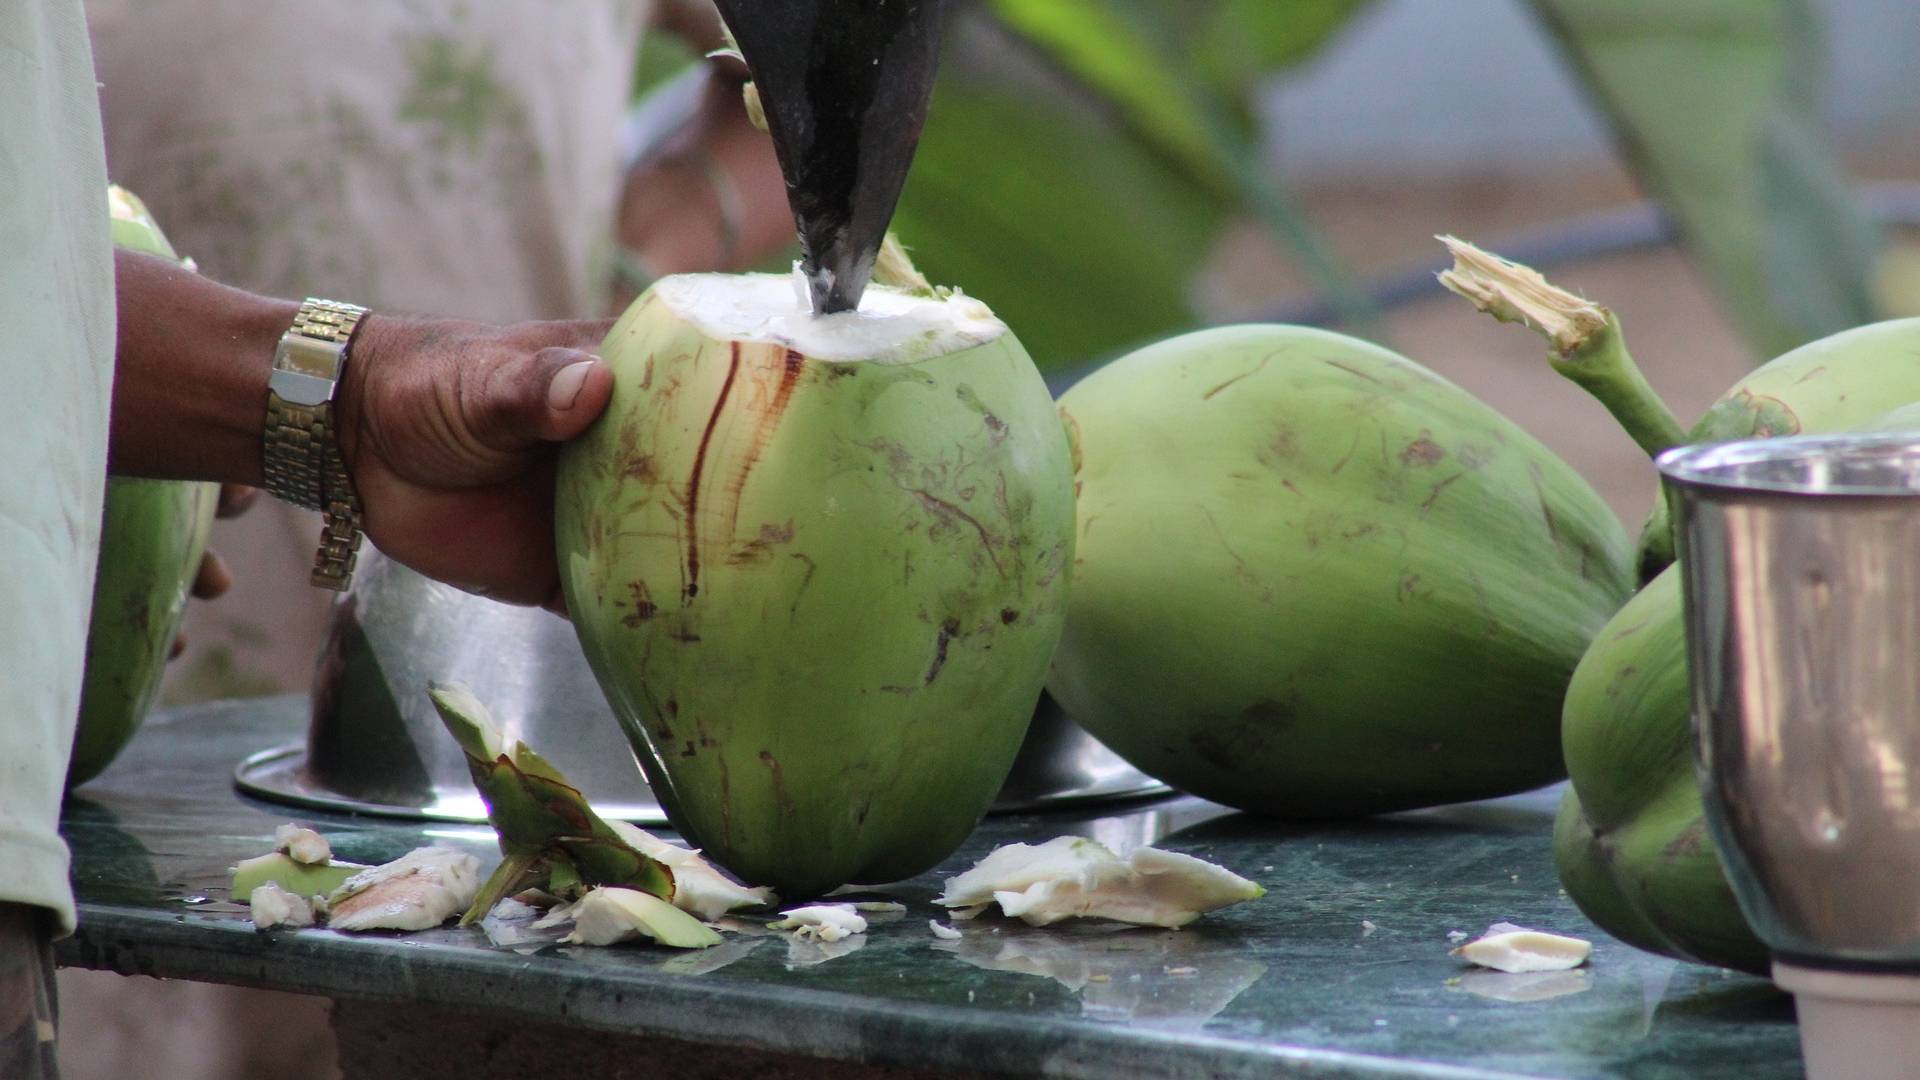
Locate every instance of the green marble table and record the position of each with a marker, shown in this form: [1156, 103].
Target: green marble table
[1341, 970]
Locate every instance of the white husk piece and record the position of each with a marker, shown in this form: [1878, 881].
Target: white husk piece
[827, 922]
[698, 889]
[1516, 950]
[421, 889]
[302, 845]
[557, 915]
[273, 906]
[600, 919]
[1073, 877]
[891, 326]
[611, 914]
[944, 933]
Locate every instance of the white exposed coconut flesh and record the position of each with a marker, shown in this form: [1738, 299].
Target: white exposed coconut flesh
[698, 888]
[273, 906]
[421, 889]
[1516, 950]
[889, 327]
[1073, 877]
[828, 922]
[302, 845]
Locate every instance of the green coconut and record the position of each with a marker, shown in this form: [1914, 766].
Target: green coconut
[818, 565]
[1314, 579]
[152, 535]
[1631, 841]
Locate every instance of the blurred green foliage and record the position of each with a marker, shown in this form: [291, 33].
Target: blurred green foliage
[1082, 157]
[1715, 106]
[1085, 248]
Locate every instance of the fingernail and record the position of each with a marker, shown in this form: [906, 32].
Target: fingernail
[565, 387]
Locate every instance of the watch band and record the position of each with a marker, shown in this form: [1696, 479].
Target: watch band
[302, 463]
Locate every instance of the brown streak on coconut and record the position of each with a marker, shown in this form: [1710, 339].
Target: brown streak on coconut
[692, 588]
[1351, 370]
[945, 510]
[643, 606]
[760, 548]
[1342, 463]
[1434, 495]
[948, 631]
[657, 719]
[767, 420]
[1255, 370]
[1422, 451]
[780, 796]
[793, 609]
[1540, 494]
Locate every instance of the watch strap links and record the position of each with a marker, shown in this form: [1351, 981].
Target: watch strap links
[334, 560]
[301, 461]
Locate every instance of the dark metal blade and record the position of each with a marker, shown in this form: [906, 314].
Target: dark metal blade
[845, 85]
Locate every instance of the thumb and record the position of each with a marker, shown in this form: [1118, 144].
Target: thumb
[551, 394]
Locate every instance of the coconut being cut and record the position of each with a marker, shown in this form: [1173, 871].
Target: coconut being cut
[817, 546]
[818, 564]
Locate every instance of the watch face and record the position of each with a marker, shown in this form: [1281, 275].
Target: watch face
[304, 370]
[308, 356]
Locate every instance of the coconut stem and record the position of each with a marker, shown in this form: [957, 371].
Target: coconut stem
[1604, 368]
[1589, 347]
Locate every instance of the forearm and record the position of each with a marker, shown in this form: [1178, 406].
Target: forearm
[190, 376]
[447, 428]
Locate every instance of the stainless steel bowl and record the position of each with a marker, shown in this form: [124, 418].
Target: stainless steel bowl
[1800, 561]
[375, 746]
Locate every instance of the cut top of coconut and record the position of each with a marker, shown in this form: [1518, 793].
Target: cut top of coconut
[890, 326]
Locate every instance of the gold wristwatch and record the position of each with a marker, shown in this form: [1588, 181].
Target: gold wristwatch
[302, 460]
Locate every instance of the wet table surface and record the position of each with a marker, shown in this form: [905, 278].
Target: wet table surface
[1341, 970]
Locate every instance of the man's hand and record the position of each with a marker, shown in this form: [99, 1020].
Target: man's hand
[449, 430]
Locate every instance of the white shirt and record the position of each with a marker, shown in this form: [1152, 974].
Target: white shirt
[56, 378]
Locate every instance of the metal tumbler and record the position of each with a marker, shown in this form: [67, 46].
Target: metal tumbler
[1800, 564]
